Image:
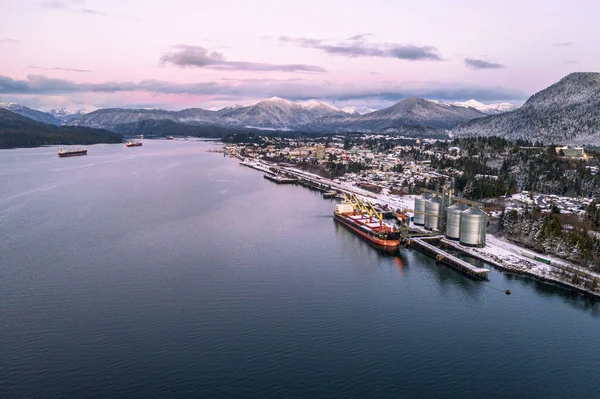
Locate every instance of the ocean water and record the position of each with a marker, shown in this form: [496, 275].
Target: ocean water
[167, 271]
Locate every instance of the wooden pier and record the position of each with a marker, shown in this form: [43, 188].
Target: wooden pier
[451, 260]
[280, 179]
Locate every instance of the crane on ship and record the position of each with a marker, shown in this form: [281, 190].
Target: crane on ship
[351, 199]
[360, 203]
[372, 211]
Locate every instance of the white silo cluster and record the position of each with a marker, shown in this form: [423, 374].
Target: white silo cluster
[462, 223]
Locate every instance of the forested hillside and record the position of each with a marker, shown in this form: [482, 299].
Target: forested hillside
[19, 131]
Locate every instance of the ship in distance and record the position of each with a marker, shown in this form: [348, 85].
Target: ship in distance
[133, 144]
[71, 152]
[358, 217]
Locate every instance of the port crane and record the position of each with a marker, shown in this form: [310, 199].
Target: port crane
[364, 207]
[360, 204]
[352, 200]
[372, 211]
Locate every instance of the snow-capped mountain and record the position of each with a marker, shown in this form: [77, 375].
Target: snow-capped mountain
[109, 118]
[64, 115]
[277, 113]
[274, 113]
[490, 109]
[30, 113]
[566, 112]
[422, 116]
[316, 104]
[410, 112]
[357, 110]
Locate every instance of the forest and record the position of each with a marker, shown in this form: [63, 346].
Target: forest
[547, 233]
[18, 131]
[492, 166]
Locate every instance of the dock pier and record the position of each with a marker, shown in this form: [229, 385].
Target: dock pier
[280, 179]
[451, 260]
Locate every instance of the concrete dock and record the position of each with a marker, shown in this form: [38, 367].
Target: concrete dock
[451, 260]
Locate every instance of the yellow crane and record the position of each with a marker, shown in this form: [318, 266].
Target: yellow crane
[347, 199]
[360, 204]
[350, 201]
[353, 200]
[378, 214]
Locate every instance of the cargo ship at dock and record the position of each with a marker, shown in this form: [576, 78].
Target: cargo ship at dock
[358, 218]
[71, 153]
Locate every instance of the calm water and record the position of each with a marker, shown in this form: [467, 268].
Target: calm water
[167, 271]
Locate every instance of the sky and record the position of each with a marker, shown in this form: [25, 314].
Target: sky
[197, 53]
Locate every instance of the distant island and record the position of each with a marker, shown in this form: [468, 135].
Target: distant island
[19, 131]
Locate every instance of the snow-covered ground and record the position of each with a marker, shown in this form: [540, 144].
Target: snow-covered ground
[507, 255]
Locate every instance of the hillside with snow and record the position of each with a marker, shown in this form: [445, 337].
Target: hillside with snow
[277, 113]
[409, 113]
[566, 112]
[490, 109]
[27, 112]
[412, 116]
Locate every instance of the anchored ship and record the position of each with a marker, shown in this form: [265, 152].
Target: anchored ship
[358, 217]
[71, 153]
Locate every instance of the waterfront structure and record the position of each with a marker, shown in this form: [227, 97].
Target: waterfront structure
[419, 218]
[432, 213]
[473, 223]
[453, 216]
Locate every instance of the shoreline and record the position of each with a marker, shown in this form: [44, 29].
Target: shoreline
[501, 254]
[527, 268]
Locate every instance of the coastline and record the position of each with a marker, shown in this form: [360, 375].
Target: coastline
[499, 253]
[561, 274]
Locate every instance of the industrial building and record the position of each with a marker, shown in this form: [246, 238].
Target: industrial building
[460, 219]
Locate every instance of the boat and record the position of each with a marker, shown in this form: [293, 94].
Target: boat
[71, 153]
[169, 137]
[358, 217]
[133, 144]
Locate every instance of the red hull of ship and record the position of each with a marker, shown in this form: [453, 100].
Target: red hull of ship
[374, 240]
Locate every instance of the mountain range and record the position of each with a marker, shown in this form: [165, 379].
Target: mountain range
[423, 117]
[408, 113]
[567, 112]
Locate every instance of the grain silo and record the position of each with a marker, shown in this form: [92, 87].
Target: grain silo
[419, 218]
[473, 223]
[432, 213]
[453, 220]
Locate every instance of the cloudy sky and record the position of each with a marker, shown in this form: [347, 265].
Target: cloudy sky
[198, 53]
